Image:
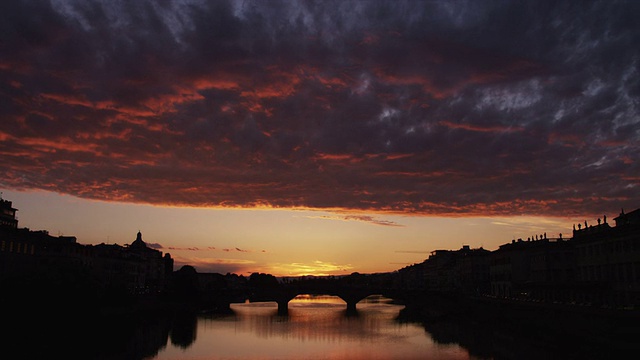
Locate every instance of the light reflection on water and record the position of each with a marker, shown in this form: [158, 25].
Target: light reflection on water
[316, 328]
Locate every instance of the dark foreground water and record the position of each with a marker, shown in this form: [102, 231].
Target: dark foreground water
[315, 328]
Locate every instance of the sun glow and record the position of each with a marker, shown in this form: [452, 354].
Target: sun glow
[316, 268]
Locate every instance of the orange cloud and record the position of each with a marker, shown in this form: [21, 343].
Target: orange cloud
[358, 218]
[64, 144]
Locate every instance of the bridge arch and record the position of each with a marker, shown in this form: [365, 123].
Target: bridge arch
[283, 296]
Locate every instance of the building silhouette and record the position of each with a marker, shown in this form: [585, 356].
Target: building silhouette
[608, 261]
[139, 268]
[540, 268]
[599, 267]
[136, 268]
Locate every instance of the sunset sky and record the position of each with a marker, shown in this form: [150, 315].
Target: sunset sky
[317, 137]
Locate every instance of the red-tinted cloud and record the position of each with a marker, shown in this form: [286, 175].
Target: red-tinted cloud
[495, 108]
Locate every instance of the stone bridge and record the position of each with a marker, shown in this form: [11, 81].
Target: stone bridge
[283, 296]
[349, 293]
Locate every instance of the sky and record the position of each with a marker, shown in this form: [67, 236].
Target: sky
[317, 137]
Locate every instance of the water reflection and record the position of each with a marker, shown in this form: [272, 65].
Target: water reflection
[315, 328]
[502, 334]
[184, 329]
[316, 319]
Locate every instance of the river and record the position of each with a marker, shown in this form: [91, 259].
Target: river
[315, 328]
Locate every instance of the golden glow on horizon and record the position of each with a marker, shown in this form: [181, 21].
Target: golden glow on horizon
[316, 268]
[274, 240]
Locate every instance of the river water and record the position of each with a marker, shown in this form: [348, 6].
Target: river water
[315, 328]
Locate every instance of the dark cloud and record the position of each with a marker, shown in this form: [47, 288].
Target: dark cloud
[184, 248]
[155, 245]
[361, 218]
[208, 248]
[236, 250]
[450, 108]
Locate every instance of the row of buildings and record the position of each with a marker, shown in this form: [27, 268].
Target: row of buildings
[135, 267]
[599, 265]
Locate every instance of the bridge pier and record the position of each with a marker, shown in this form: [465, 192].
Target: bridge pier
[283, 307]
[283, 298]
[280, 296]
[352, 297]
[351, 308]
